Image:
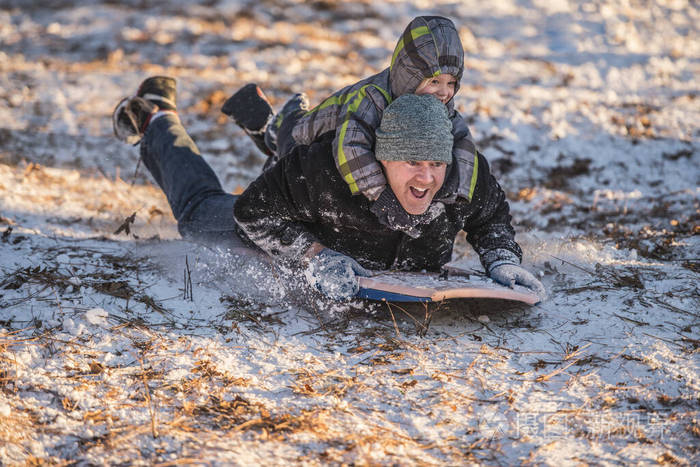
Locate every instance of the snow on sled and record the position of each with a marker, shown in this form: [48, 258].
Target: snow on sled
[429, 287]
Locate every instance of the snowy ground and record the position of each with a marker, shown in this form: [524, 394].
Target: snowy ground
[141, 348]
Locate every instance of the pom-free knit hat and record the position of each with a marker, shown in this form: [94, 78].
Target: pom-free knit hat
[415, 128]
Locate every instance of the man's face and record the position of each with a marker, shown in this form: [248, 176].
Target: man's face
[415, 183]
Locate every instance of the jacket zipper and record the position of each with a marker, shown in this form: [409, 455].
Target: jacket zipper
[399, 247]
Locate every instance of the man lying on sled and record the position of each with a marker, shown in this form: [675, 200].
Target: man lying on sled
[301, 212]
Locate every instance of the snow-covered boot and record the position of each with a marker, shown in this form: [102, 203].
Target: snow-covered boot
[251, 110]
[159, 90]
[132, 115]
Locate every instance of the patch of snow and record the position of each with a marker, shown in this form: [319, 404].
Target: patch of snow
[588, 115]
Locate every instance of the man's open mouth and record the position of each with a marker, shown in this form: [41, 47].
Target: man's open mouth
[418, 193]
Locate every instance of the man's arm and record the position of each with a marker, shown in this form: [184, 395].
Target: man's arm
[489, 230]
[491, 234]
[272, 212]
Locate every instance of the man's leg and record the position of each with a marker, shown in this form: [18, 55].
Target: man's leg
[204, 211]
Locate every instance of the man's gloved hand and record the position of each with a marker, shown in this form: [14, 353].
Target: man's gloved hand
[334, 274]
[510, 274]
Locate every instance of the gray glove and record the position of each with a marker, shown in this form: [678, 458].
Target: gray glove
[510, 274]
[335, 274]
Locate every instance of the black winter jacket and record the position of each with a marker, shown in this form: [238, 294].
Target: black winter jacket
[303, 199]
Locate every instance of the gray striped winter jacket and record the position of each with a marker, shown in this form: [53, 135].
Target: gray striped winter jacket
[429, 46]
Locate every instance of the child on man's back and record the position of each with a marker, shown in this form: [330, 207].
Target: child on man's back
[428, 59]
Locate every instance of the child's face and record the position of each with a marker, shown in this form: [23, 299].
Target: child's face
[441, 86]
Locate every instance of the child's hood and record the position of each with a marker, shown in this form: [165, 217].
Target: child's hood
[429, 46]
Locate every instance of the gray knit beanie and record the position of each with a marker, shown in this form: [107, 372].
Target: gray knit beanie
[415, 128]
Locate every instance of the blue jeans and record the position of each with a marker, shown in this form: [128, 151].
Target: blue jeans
[204, 211]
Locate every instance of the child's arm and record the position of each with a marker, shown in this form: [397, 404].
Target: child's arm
[465, 152]
[353, 146]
